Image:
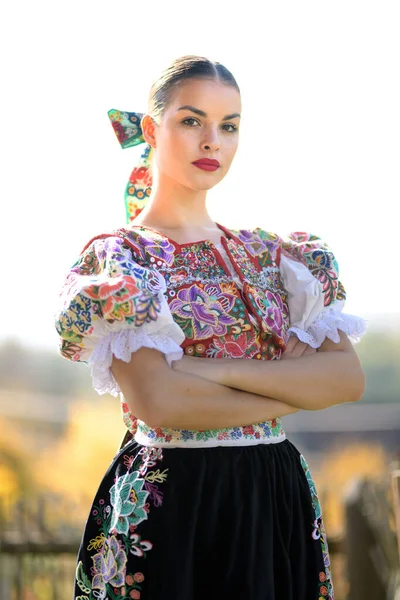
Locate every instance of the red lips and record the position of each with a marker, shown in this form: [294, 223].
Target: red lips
[207, 164]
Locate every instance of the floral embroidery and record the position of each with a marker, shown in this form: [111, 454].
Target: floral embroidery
[117, 523]
[272, 310]
[315, 254]
[318, 533]
[234, 345]
[109, 565]
[157, 248]
[259, 242]
[139, 547]
[122, 280]
[124, 292]
[201, 312]
[128, 501]
[269, 431]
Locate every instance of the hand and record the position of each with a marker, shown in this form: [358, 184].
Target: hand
[186, 364]
[207, 368]
[296, 348]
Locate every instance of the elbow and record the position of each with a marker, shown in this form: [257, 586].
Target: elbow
[358, 386]
[144, 407]
[353, 378]
[155, 411]
[159, 403]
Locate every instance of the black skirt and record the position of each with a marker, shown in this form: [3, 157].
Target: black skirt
[239, 522]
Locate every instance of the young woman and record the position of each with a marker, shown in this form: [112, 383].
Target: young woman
[210, 335]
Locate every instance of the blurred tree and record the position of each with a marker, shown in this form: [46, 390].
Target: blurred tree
[42, 371]
[74, 467]
[380, 357]
[15, 475]
[339, 468]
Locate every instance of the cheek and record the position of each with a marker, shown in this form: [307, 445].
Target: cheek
[231, 148]
[176, 144]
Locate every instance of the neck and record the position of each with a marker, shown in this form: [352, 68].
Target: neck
[172, 206]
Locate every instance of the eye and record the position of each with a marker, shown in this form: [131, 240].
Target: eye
[190, 122]
[229, 127]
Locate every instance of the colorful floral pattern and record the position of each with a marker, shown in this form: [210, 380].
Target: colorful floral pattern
[128, 500]
[267, 432]
[318, 534]
[127, 128]
[109, 565]
[203, 313]
[120, 280]
[105, 286]
[315, 254]
[131, 499]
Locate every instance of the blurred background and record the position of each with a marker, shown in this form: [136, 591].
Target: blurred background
[319, 152]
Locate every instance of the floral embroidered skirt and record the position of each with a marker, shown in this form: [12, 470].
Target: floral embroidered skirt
[238, 522]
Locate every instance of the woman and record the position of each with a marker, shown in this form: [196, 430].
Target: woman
[208, 499]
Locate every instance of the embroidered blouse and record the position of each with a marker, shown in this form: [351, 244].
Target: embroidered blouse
[242, 298]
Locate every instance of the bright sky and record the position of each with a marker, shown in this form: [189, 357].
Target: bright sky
[319, 146]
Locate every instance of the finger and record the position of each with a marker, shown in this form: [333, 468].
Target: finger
[299, 349]
[293, 340]
[309, 350]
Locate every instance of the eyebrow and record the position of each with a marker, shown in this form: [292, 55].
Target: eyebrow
[201, 113]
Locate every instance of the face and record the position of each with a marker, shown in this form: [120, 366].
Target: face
[198, 135]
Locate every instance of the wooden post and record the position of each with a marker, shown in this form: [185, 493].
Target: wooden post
[396, 502]
[364, 578]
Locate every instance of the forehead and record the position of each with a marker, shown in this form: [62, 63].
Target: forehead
[212, 97]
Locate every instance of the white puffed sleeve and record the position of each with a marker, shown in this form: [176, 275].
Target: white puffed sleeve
[112, 306]
[316, 298]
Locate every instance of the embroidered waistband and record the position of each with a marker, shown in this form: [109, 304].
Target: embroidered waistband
[143, 440]
[269, 432]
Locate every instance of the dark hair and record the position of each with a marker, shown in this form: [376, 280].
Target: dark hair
[181, 69]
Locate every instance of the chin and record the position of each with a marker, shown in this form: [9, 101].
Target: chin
[205, 183]
[205, 187]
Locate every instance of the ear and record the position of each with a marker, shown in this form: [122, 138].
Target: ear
[149, 130]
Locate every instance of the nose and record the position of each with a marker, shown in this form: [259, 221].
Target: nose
[211, 140]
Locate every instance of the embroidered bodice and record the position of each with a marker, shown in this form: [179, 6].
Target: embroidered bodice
[239, 299]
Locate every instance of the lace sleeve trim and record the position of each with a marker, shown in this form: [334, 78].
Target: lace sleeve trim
[121, 344]
[327, 325]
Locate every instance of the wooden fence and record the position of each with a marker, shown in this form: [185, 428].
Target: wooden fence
[371, 543]
[38, 548]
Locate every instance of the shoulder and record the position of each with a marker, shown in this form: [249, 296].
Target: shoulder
[259, 241]
[111, 262]
[304, 239]
[314, 253]
[309, 249]
[97, 254]
[145, 247]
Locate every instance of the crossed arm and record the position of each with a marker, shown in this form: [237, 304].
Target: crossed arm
[218, 393]
[315, 380]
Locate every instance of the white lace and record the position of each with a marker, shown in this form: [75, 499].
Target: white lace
[121, 344]
[311, 325]
[327, 324]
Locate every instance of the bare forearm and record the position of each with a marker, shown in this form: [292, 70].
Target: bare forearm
[162, 397]
[308, 382]
[195, 403]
